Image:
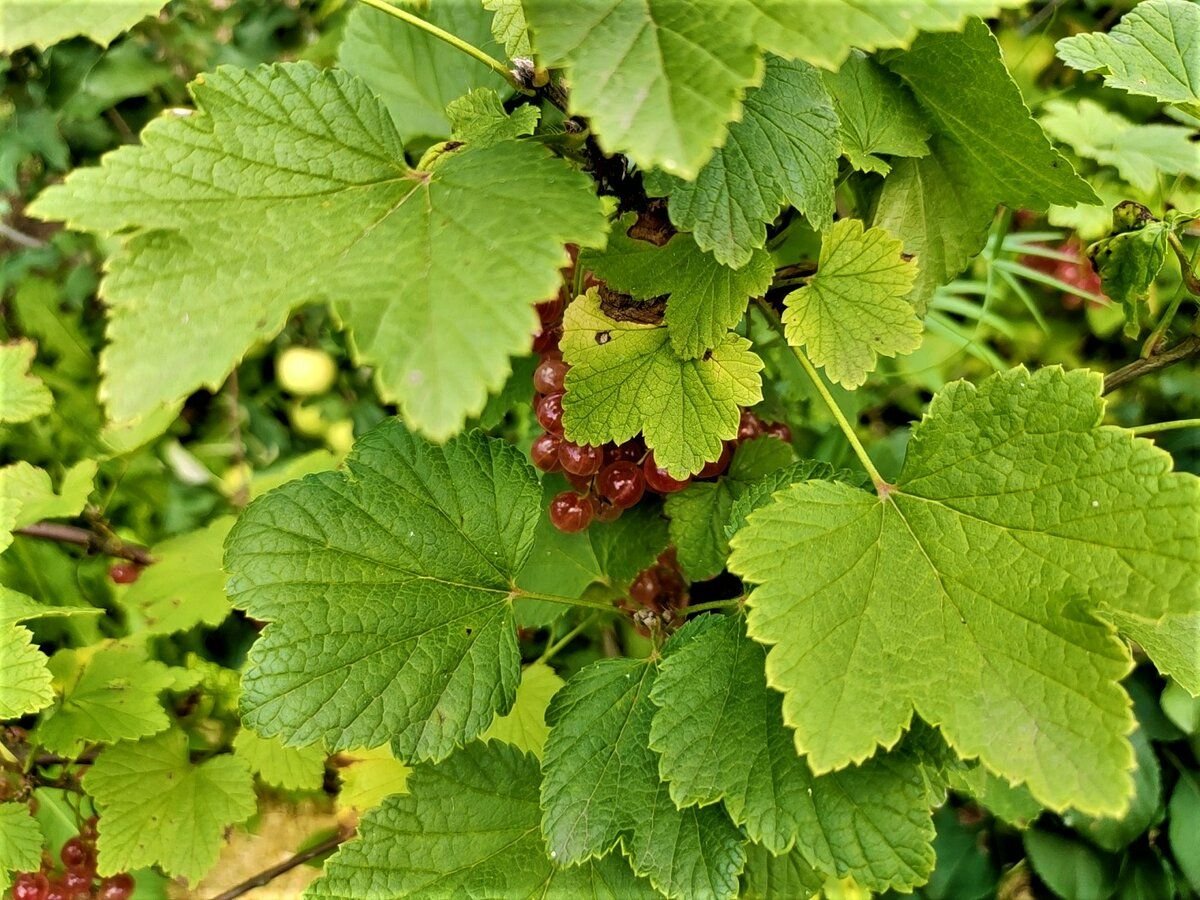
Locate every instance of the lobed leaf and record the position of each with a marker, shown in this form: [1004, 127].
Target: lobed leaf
[966, 593]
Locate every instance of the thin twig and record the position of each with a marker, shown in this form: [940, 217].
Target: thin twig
[91, 541]
[20, 238]
[266, 876]
[1188, 347]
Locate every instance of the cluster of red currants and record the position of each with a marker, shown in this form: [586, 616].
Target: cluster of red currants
[78, 880]
[611, 479]
[656, 593]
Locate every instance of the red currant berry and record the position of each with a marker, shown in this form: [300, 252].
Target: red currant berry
[116, 887]
[30, 886]
[58, 891]
[74, 853]
[544, 452]
[644, 589]
[571, 512]
[550, 311]
[779, 430]
[550, 413]
[749, 426]
[607, 512]
[548, 377]
[124, 572]
[78, 884]
[580, 459]
[632, 450]
[621, 483]
[718, 465]
[659, 479]
[546, 339]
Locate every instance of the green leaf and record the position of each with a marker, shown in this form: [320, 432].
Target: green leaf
[823, 32]
[704, 298]
[320, 204]
[856, 308]
[289, 768]
[525, 724]
[45, 22]
[1140, 152]
[986, 149]
[720, 734]
[186, 585]
[1128, 262]
[783, 151]
[108, 696]
[962, 872]
[1169, 641]
[601, 783]
[625, 378]
[20, 841]
[370, 776]
[1070, 867]
[1016, 517]
[25, 680]
[758, 493]
[1151, 52]
[158, 809]
[1115, 834]
[468, 828]
[389, 588]
[699, 512]
[414, 73]
[1012, 803]
[22, 396]
[877, 115]
[1183, 824]
[31, 491]
[479, 119]
[768, 877]
[658, 82]
[508, 26]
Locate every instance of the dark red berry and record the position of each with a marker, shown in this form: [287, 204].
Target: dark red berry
[550, 413]
[779, 430]
[659, 479]
[124, 572]
[644, 589]
[78, 884]
[546, 340]
[607, 512]
[116, 887]
[550, 311]
[58, 891]
[632, 450]
[749, 426]
[30, 886]
[75, 854]
[571, 512]
[544, 452]
[718, 465]
[621, 483]
[580, 459]
[549, 376]
[555, 353]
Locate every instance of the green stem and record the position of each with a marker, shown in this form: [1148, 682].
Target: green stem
[453, 40]
[1165, 426]
[552, 649]
[1190, 279]
[881, 485]
[714, 604]
[567, 601]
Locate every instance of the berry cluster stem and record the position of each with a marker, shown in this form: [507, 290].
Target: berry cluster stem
[881, 485]
[453, 40]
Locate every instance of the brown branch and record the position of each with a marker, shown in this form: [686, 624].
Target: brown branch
[1188, 347]
[91, 541]
[267, 875]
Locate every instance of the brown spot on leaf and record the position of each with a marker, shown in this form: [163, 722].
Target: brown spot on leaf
[624, 308]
